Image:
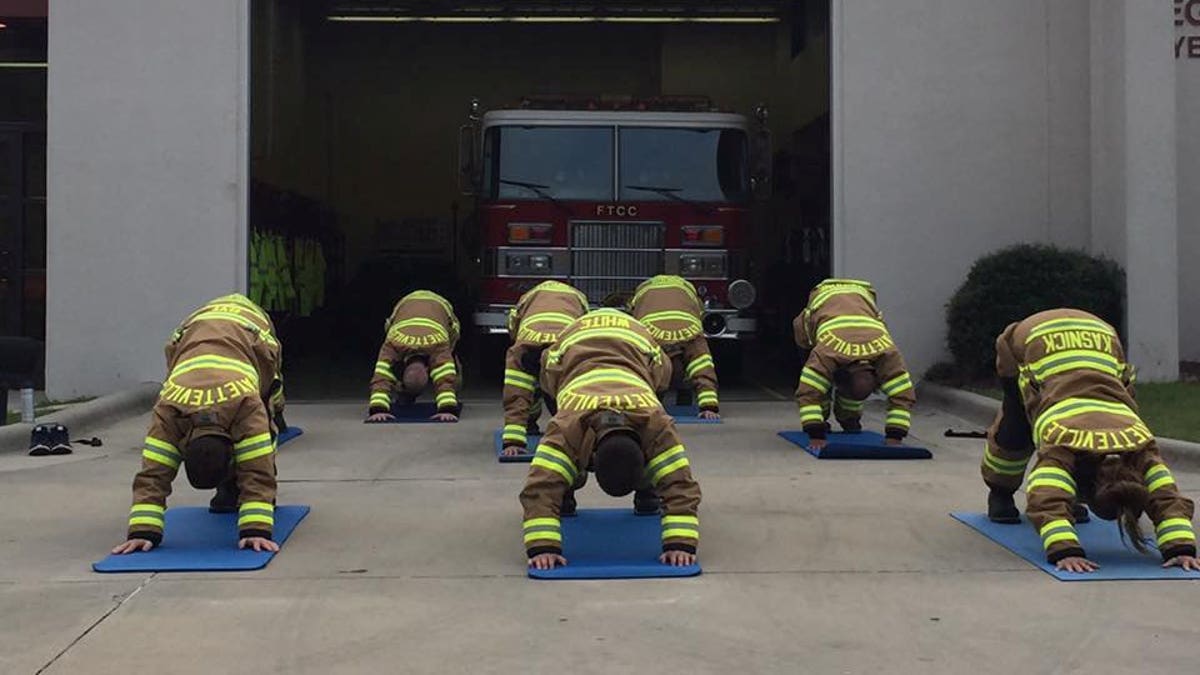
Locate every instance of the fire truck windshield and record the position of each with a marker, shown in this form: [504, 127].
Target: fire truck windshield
[576, 163]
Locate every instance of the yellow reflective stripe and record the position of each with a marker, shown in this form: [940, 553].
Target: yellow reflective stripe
[420, 322]
[446, 397]
[430, 295]
[700, 363]
[147, 521]
[253, 440]
[680, 534]
[385, 369]
[550, 317]
[1075, 359]
[212, 361]
[235, 318]
[897, 385]
[1068, 323]
[542, 529]
[705, 397]
[1005, 467]
[256, 512]
[444, 370]
[1157, 476]
[615, 375]
[1056, 531]
[899, 418]
[553, 459]
[162, 452]
[1173, 529]
[519, 384]
[667, 463]
[672, 315]
[850, 321]
[243, 301]
[815, 380]
[514, 432]
[849, 288]
[624, 334]
[381, 397]
[159, 509]
[161, 445]
[1051, 477]
[662, 282]
[809, 413]
[1072, 407]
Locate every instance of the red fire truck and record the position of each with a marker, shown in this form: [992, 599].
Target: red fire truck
[604, 194]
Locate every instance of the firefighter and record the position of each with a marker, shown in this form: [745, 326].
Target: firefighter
[533, 325]
[671, 310]
[215, 416]
[1069, 392]
[850, 355]
[605, 371]
[419, 346]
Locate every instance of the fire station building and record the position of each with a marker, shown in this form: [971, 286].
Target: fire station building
[908, 138]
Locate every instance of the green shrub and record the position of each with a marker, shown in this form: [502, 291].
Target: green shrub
[1011, 284]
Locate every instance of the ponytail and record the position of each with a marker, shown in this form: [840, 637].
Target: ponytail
[1121, 496]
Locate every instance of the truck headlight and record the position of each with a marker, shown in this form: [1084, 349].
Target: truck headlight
[702, 265]
[742, 294]
[518, 263]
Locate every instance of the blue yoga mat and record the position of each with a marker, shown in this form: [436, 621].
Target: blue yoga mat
[1100, 538]
[198, 541]
[287, 435]
[612, 544]
[863, 445]
[413, 414]
[688, 414]
[531, 444]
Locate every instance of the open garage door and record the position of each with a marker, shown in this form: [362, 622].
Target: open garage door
[357, 116]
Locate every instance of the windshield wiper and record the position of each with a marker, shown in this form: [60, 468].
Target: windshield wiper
[670, 193]
[538, 189]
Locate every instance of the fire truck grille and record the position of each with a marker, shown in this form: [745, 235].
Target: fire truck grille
[608, 257]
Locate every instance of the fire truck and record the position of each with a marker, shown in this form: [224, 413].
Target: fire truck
[604, 194]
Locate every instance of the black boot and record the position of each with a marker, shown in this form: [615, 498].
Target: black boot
[39, 441]
[646, 503]
[568, 507]
[226, 498]
[851, 426]
[1080, 513]
[1002, 508]
[683, 397]
[531, 428]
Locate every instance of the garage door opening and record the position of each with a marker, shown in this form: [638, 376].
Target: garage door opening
[417, 145]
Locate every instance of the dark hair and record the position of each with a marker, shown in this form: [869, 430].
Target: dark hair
[1120, 495]
[618, 463]
[206, 460]
[855, 385]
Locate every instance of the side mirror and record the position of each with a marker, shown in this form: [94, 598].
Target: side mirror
[761, 163]
[468, 159]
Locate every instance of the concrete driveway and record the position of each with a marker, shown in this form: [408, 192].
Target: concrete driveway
[411, 562]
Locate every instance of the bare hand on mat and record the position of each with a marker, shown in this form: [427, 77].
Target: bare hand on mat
[513, 451]
[1187, 562]
[381, 417]
[547, 561]
[132, 546]
[677, 558]
[708, 415]
[258, 544]
[445, 417]
[1077, 565]
[893, 441]
[817, 443]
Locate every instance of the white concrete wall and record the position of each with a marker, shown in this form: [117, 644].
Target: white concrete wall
[1188, 133]
[960, 127]
[147, 180]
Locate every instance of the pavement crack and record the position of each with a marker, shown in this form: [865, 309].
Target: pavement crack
[97, 622]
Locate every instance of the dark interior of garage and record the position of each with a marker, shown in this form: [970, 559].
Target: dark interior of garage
[355, 115]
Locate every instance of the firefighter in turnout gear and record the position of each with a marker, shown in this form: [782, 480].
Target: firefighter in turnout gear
[214, 416]
[419, 346]
[850, 355]
[605, 371]
[534, 324]
[671, 310]
[1068, 393]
